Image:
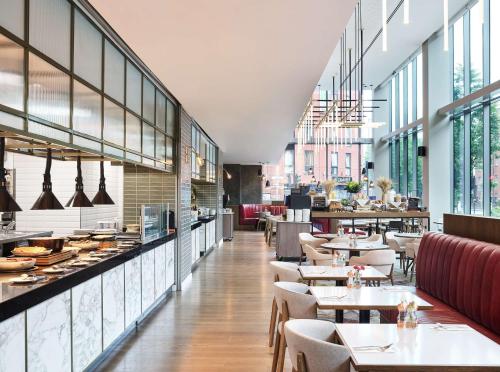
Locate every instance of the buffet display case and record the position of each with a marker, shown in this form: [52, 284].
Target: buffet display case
[154, 221]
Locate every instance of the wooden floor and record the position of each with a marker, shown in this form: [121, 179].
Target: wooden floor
[218, 324]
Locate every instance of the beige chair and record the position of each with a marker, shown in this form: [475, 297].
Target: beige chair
[306, 238]
[311, 348]
[382, 260]
[316, 258]
[374, 238]
[284, 272]
[411, 253]
[291, 305]
[398, 245]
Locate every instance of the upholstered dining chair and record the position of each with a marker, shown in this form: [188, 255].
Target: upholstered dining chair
[316, 258]
[291, 305]
[374, 238]
[382, 260]
[398, 245]
[306, 238]
[311, 348]
[285, 272]
[411, 252]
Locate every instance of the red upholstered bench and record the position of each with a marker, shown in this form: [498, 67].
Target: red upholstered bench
[249, 212]
[461, 278]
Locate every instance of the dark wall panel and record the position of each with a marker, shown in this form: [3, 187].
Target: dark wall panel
[232, 186]
[245, 186]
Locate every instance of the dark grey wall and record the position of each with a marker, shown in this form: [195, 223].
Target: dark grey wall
[245, 185]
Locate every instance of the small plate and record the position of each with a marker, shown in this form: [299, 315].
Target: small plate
[79, 264]
[91, 259]
[51, 270]
[92, 254]
[110, 250]
[26, 279]
[33, 268]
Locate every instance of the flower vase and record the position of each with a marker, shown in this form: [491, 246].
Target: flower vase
[385, 197]
[357, 279]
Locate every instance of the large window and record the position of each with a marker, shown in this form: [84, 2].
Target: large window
[406, 168]
[63, 78]
[335, 164]
[348, 164]
[309, 162]
[476, 127]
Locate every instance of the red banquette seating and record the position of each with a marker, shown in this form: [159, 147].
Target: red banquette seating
[461, 278]
[249, 212]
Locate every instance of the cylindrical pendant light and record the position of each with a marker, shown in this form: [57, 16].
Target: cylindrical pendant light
[445, 25]
[102, 197]
[7, 202]
[406, 9]
[79, 199]
[47, 200]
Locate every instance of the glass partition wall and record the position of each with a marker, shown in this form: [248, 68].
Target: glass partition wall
[476, 126]
[64, 79]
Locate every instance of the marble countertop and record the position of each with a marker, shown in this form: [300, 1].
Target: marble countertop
[15, 298]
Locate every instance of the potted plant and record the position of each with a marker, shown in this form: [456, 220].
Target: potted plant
[353, 188]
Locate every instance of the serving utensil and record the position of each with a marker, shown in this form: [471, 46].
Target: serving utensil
[380, 348]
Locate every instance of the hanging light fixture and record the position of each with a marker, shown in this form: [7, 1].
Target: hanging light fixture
[47, 200]
[268, 183]
[406, 8]
[384, 25]
[79, 199]
[102, 197]
[445, 25]
[7, 202]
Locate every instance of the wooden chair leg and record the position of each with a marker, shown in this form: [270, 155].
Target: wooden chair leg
[272, 324]
[282, 351]
[276, 351]
[301, 362]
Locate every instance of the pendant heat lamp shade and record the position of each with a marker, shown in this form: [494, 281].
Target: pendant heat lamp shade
[79, 199]
[7, 202]
[47, 200]
[102, 196]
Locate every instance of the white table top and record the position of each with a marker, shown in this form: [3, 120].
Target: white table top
[361, 246]
[425, 348]
[337, 273]
[409, 235]
[365, 298]
[331, 236]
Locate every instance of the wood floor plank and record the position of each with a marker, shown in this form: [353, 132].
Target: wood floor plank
[219, 323]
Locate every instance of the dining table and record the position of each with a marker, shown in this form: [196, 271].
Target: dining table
[364, 299]
[355, 250]
[331, 236]
[428, 347]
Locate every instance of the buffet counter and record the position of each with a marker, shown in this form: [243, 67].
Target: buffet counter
[82, 312]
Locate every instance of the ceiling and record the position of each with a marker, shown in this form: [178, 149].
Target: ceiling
[426, 17]
[244, 70]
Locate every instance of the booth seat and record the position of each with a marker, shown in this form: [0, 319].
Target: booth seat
[249, 212]
[461, 278]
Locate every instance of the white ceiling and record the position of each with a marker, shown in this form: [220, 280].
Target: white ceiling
[243, 69]
[426, 17]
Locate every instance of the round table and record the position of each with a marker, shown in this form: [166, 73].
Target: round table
[331, 236]
[355, 251]
[409, 235]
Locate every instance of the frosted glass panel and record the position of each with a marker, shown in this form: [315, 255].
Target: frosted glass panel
[161, 103]
[114, 128]
[148, 108]
[86, 110]
[133, 132]
[48, 92]
[12, 16]
[134, 86]
[160, 146]
[170, 148]
[50, 28]
[48, 132]
[11, 120]
[170, 118]
[11, 74]
[114, 72]
[88, 51]
[84, 142]
[148, 140]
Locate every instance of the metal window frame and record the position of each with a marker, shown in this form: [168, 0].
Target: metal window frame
[107, 35]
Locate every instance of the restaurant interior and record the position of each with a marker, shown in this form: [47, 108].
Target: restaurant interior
[249, 186]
